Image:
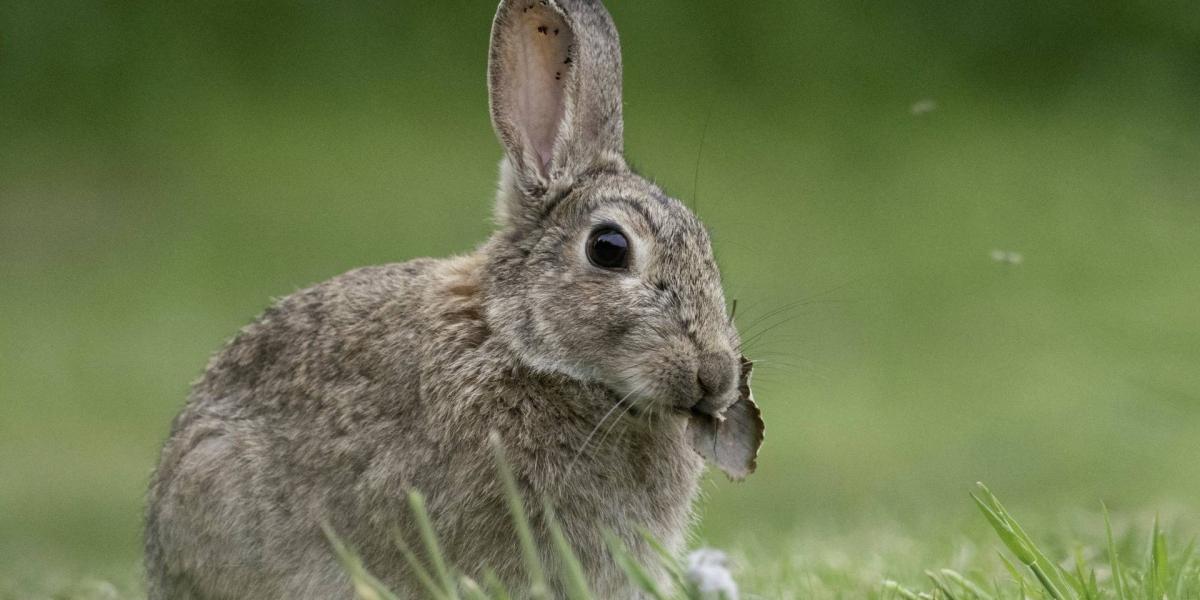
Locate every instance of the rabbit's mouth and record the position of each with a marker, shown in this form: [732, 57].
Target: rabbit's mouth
[730, 439]
[714, 408]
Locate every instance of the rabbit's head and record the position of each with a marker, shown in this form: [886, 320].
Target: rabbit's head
[596, 273]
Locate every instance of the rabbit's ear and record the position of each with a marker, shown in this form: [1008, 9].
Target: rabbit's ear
[554, 80]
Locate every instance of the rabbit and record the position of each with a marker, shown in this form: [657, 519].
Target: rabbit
[595, 308]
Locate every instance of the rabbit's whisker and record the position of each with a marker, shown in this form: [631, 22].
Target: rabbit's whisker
[779, 310]
[615, 422]
[742, 345]
[583, 447]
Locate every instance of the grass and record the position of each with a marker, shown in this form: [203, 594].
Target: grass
[1094, 572]
[1082, 556]
[1088, 572]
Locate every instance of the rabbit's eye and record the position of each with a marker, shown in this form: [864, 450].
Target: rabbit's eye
[608, 248]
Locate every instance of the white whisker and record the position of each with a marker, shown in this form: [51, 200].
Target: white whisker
[613, 426]
[583, 447]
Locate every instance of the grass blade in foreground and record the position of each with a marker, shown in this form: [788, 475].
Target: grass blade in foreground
[494, 587]
[418, 569]
[1160, 572]
[417, 502]
[966, 584]
[471, 590]
[573, 578]
[533, 564]
[366, 586]
[1113, 560]
[674, 568]
[894, 588]
[1185, 561]
[1021, 545]
[632, 569]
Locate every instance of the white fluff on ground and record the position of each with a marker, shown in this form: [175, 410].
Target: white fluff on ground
[708, 574]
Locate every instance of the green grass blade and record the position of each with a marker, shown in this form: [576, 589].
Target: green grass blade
[416, 503]
[674, 567]
[1084, 580]
[1181, 575]
[1113, 560]
[1044, 579]
[572, 576]
[1050, 567]
[632, 569]
[903, 592]
[529, 552]
[418, 569]
[966, 584]
[1160, 572]
[941, 585]
[1023, 546]
[494, 587]
[1005, 532]
[1017, 575]
[471, 590]
[366, 587]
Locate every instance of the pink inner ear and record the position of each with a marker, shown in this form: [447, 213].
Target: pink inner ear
[540, 50]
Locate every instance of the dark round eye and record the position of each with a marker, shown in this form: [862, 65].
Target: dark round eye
[608, 248]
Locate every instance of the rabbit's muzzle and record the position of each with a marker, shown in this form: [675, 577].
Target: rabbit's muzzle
[716, 379]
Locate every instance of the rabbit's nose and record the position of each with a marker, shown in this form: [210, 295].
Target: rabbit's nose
[716, 372]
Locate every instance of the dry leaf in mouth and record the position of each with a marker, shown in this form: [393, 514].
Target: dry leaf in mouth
[730, 439]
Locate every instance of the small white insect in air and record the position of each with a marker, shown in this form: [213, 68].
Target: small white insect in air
[708, 574]
[1007, 257]
[923, 107]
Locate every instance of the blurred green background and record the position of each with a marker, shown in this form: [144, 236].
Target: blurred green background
[168, 168]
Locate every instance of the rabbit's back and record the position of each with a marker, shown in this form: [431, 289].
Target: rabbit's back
[312, 414]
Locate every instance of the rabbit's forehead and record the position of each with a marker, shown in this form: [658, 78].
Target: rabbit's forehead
[647, 219]
[646, 211]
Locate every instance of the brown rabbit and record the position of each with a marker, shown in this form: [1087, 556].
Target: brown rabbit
[595, 308]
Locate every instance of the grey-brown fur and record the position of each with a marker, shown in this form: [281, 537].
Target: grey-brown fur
[342, 397]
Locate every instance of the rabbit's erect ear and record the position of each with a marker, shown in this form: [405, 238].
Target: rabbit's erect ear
[554, 79]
